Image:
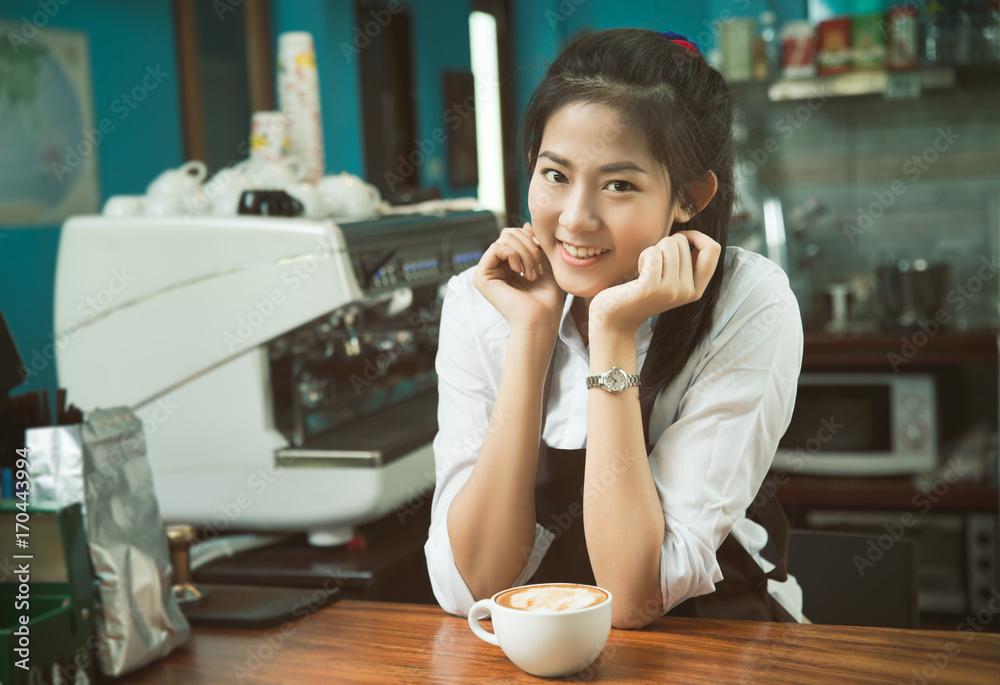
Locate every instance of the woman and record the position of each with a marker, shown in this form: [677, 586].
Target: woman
[551, 465]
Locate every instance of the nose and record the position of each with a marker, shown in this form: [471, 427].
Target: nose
[579, 213]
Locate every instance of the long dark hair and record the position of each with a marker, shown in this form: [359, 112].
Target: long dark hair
[684, 109]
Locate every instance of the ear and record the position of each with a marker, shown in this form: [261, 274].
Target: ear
[701, 193]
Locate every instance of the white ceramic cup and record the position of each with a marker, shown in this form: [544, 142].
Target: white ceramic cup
[183, 181]
[124, 205]
[163, 205]
[546, 643]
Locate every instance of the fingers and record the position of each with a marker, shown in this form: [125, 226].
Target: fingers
[706, 257]
[530, 254]
[684, 266]
[517, 247]
[651, 265]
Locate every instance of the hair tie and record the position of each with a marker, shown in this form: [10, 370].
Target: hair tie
[683, 41]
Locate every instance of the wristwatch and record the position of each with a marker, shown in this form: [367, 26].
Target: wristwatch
[613, 380]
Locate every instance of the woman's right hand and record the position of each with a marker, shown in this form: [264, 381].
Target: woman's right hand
[529, 302]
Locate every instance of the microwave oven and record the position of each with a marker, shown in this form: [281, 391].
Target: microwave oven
[861, 424]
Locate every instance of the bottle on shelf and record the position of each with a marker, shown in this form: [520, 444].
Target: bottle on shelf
[986, 33]
[938, 35]
[798, 49]
[767, 55]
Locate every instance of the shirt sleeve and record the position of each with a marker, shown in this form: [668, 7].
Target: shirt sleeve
[709, 463]
[466, 394]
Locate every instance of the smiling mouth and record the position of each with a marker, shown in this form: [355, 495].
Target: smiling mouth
[582, 252]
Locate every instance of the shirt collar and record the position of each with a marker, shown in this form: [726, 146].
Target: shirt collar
[569, 334]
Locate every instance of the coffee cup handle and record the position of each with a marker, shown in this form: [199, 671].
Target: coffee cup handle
[481, 632]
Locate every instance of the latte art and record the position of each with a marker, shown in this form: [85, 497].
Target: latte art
[552, 598]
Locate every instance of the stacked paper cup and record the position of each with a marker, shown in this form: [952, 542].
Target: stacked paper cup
[269, 133]
[298, 96]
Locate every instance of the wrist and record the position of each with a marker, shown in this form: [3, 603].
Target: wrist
[603, 325]
[610, 348]
[541, 333]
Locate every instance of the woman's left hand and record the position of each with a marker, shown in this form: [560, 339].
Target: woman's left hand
[673, 272]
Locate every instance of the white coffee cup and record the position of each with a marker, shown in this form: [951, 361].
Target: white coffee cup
[124, 205]
[551, 637]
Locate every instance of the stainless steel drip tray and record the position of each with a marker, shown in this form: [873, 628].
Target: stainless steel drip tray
[370, 442]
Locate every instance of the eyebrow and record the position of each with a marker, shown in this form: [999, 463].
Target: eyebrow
[606, 169]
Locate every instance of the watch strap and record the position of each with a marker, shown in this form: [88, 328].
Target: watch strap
[631, 379]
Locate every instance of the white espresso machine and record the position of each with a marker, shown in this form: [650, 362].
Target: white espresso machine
[283, 368]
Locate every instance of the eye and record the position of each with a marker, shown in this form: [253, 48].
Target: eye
[620, 186]
[553, 176]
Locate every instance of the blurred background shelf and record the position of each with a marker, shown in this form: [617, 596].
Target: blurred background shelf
[901, 83]
[881, 349]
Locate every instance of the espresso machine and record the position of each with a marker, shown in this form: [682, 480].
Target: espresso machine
[283, 367]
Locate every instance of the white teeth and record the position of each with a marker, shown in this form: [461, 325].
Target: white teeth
[582, 253]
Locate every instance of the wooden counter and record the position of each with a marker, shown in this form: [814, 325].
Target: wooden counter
[374, 642]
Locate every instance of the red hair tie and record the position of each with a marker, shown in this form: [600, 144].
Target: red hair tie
[682, 41]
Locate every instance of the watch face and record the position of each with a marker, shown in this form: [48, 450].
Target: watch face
[615, 380]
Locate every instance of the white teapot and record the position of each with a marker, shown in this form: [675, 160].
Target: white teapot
[183, 185]
[346, 195]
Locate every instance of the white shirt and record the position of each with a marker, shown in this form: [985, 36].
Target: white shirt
[715, 428]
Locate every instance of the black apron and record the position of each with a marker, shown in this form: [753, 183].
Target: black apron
[741, 594]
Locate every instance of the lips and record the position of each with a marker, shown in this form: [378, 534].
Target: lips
[582, 252]
[594, 255]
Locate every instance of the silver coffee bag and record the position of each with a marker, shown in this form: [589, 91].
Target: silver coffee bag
[102, 464]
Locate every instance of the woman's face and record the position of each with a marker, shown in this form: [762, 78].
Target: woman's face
[597, 198]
